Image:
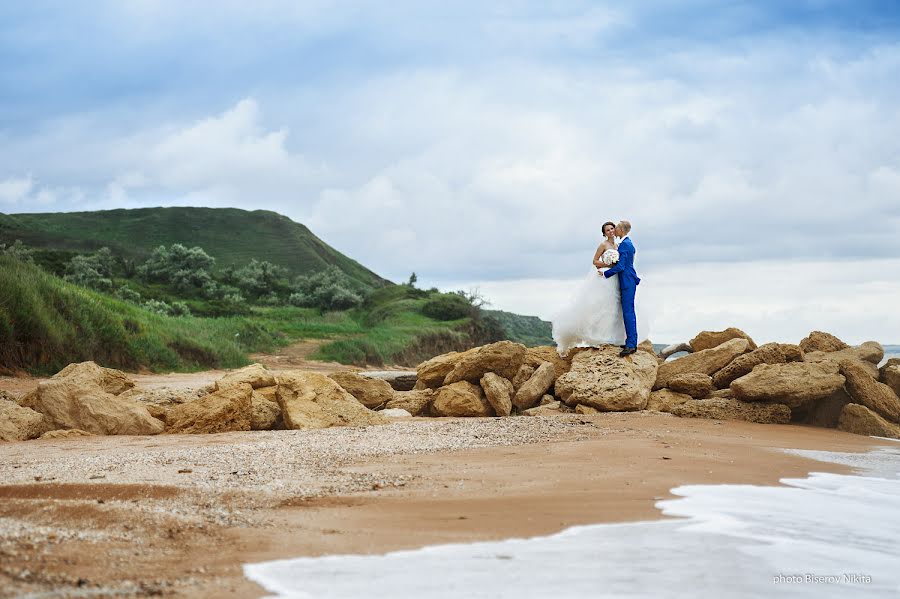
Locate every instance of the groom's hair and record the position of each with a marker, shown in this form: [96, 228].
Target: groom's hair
[626, 226]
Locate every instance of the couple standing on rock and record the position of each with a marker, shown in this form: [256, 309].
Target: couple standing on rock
[601, 310]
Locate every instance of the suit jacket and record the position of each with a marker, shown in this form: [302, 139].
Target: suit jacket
[625, 266]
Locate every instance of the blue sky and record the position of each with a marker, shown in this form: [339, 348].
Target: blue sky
[482, 144]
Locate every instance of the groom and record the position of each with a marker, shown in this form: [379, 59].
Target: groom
[628, 282]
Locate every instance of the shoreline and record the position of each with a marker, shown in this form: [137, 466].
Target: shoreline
[415, 483]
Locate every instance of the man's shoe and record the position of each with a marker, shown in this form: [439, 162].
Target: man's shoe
[627, 351]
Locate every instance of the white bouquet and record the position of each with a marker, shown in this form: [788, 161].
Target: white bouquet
[609, 257]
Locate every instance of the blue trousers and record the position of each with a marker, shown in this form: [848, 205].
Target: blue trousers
[628, 315]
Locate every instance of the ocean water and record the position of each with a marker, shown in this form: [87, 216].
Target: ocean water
[827, 535]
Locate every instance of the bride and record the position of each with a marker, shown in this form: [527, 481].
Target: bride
[593, 316]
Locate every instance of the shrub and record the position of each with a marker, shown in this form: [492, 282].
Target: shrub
[185, 269]
[18, 250]
[91, 270]
[128, 294]
[329, 289]
[258, 278]
[448, 306]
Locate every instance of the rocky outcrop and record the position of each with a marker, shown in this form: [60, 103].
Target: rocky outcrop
[792, 384]
[502, 358]
[549, 409]
[372, 393]
[399, 380]
[264, 413]
[823, 412]
[461, 398]
[109, 380]
[861, 420]
[431, 373]
[498, 392]
[523, 374]
[255, 375]
[416, 402]
[695, 384]
[732, 409]
[707, 361]
[865, 390]
[664, 400]
[711, 339]
[270, 392]
[674, 349]
[228, 409]
[601, 379]
[535, 387]
[310, 400]
[866, 355]
[535, 356]
[18, 423]
[821, 341]
[890, 376]
[770, 353]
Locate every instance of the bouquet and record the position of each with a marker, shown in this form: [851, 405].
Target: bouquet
[609, 257]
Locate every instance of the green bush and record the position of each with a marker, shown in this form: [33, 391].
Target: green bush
[448, 306]
[18, 250]
[94, 271]
[259, 278]
[185, 269]
[329, 289]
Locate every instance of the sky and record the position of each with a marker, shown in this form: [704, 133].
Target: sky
[754, 146]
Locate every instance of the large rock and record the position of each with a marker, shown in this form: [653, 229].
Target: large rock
[865, 390]
[399, 380]
[498, 392]
[824, 412]
[18, 423]
[867, 355]
[255, 375]
[890, 376]
[228, 409]
[695, 384]
[664, 400]
[160, 396]
[733, 409]
[550, 409]
[792, 384]
[531, 391]
[535, 356]
[461, 398]
[372, 393]
[820, 341]
[70, 433]
[711, 339]
[522, 375]
[431, 373]
[706, 361]
[502, 358]
[311, 400]
[861, 420]
[601, 379]
[770, 353]
[675, 348]
[416, 402]
[109, 380]
[78, 400]
[265, 414]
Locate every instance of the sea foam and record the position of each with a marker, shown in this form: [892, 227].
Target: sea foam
[828, 535]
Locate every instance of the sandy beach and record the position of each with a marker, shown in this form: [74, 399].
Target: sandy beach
[177, 515]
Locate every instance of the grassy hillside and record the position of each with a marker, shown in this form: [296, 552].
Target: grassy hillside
[528, 330]
[230, 235]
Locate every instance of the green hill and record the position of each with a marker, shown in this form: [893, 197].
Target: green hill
[528, 330]
[232, 236]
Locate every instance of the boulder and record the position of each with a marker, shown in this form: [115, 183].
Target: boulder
[264, 413]
[158, 411]
[706, 361]
[416, 402]
[461, 398]
[820, 341]
[399, 380]
[674, 349]
[732, 409]
[255, 375]
[530, 393]
[160, 396]
[770, 353]
[647, 346]
[711, 339]
[870, 351]
[601, 379]
[109, 380]
[431, 373]
[395, 413]
[547, 399]
[586, 410]
[824, 412]
[890, 376]
[865, 390]
[228, 409]
[498, 392]
[18, 423]
[792, 384]
[71, 433]
[792, 352]
[722, 394]
[503, 358]
[867, 355]
[523, 374]
[310, 400]
[270, 392]
[372, 393]
[549, 409]
[79, 400]
[664, 400]
[535, 356]
[695, 384]
[860, 420]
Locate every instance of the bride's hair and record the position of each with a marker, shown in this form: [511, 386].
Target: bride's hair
[603, 228]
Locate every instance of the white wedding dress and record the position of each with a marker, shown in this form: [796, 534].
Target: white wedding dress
[593, 315]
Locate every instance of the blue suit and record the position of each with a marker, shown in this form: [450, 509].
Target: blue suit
[628, 282]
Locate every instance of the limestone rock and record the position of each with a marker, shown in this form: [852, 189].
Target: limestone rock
[255, 375]
[664, 400]
[18, 423]
[535, 356]
[601, 379]
[498, 392]
[395, 413]
[876, 396]
[310, 400]
[770, 353]
[706, 361]
[503, 358]
[535, 387]
[417, 402]
[695, 384]
[890, 376]
[523, 374]
[547, 399]
[824, 412]
[711, 339]
[870, 351]
[270, 392]
[674, 349]
[264, 413]
[792, 352]
[399, 380]
[549, 409]
[431, 373]
[160, 412]
[70, 433]
[110, 380]
[820, 341]
[732, 409]
[722, 394]
[861, 420]
[866, 355]
[647, 346]
[792, 384]
[161, 396]
[586, 410]
[461, 398]
[228, 409]
[372, 393]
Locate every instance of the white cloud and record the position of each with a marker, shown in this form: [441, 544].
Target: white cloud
[15, 189]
